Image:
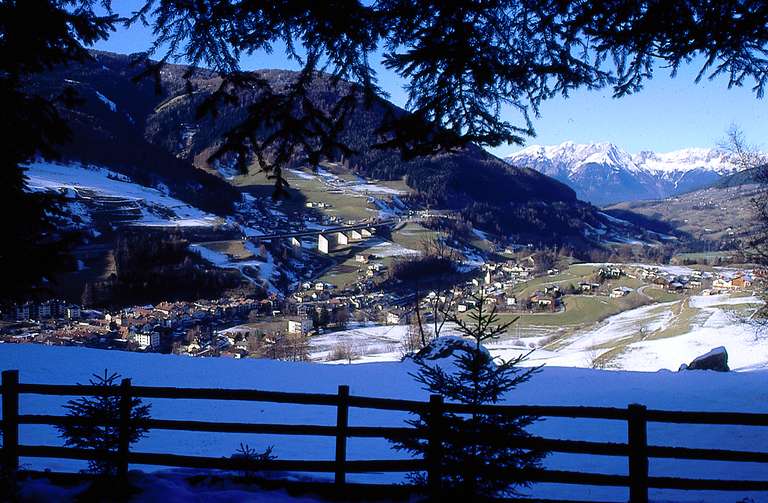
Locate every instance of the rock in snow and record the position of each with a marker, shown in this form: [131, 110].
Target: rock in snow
[716, 359]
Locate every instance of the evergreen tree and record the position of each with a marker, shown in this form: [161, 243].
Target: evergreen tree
[102, 413]
[481, 457]
[36, 36]
[462, 63]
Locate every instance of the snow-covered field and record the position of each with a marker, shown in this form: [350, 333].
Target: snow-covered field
[712, 324]
[390, 249]
[368, 343]
[695, 390]
[157, 207]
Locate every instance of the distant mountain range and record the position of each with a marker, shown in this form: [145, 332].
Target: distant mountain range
[603, 173]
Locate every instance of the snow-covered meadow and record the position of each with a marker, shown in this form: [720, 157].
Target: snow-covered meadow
[695, 390]
[156, 206]
[712, 323]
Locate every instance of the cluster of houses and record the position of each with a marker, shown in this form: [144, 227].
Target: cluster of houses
[495, 283]
[708, 283]
[317, 204]
[319, 294]
[145, 328]
[45, 310]
[201, 328]
[499, 279]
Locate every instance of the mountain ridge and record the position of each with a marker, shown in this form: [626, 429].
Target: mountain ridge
[154, 135]
[603, 173]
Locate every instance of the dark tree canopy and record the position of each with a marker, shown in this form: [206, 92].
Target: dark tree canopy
[464, 62]
[465, 65]
[36, 35]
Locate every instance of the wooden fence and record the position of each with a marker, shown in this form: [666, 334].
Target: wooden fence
[636, 449]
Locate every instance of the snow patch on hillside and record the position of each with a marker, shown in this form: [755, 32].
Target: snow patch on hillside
[267, 268]
[111, 104]
[390, 249]
[85, 182]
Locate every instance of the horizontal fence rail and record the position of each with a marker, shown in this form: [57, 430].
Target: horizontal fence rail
[636, 449]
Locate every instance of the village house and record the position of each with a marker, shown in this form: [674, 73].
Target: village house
[722, 284]
[585, 287]
[676, 286]
[611, 272]
[741, 281]
[23, 311]
[620, 291]
[398, 317]
[541, 300]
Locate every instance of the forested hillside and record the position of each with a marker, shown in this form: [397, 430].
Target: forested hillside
[156, 135]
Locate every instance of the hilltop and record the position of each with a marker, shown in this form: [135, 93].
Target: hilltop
[722, 214]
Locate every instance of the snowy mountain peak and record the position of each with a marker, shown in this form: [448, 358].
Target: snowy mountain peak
[687, 160]
[602, 172]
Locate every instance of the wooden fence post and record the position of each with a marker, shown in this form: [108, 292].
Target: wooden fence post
[637, 436]
[124, 429]
[435, 448]
[10, 384]
[342, 422]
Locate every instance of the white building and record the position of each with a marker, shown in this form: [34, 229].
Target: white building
[342, 238]
[620, 291]
[396, 318]
[22, 312]
[73, 312]
[151, 340]
[323, 245]
[299, 326]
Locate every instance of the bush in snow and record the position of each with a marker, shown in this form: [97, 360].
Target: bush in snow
[101, 413]
[251, 460]
[480, 457]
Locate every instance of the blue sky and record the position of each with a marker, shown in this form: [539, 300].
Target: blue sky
[668, 114]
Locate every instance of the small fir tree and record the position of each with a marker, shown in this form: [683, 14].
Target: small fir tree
[252, 460]
[481, 453]
[100, 431]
